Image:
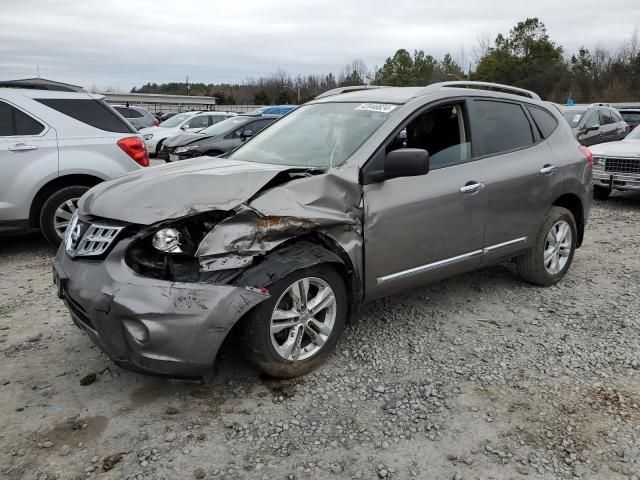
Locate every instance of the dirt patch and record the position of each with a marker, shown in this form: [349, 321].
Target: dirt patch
[72, 431]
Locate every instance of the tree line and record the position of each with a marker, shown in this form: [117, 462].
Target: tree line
[526, 57]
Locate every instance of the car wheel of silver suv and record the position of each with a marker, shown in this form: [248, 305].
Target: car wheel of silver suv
[57, 210]
[551, 256]
[297, 328]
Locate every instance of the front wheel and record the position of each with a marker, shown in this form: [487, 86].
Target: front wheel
[551, 256]
[601, 193]
[297, 328]
[57, 210]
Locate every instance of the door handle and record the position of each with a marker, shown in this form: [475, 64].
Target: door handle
[22, 147]
[548, 169]
[472, 187]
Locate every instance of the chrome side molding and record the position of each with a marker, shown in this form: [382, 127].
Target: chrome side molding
[447, 261]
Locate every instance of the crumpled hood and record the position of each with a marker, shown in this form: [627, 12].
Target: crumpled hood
[174, 190]
[185, 139]
[626, 148]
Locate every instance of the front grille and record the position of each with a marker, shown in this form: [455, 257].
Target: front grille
[84, 239]
[622, 165]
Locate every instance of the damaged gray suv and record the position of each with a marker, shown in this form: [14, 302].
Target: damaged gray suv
[349, 198]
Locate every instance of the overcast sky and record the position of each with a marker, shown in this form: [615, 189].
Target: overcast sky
[125, 43]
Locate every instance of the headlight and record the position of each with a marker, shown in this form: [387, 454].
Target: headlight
[188, 148]
[598, 161]
[167, 240]
[147, 136]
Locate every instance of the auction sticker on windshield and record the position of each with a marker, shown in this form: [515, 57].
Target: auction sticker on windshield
[376, 107]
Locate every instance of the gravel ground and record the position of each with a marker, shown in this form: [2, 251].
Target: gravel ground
[481, 376]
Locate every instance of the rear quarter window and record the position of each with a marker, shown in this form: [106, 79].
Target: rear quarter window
[92, 112]
[502, 126]
[544, 120]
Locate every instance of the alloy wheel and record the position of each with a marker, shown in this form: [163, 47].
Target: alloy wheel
[63, 215]
[557, 248]
[303, 319]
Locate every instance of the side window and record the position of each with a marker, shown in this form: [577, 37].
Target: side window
[14, 122]
[605, 117]
[255, 127]
[133, 113]
[593, 120]
[201, 121]
[502, 126]
[545, 122]
[439, 131]
[92, 112]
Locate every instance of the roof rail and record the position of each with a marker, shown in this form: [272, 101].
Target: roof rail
[354, 88]
[481, 85]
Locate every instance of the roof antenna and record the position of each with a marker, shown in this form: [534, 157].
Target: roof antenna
[38, 69]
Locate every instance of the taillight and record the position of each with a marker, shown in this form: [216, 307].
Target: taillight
[136, 149]
[587, 154]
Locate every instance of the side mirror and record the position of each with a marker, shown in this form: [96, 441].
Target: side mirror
[184, 127]
[246, 134]
[405, 162]
[591, 128]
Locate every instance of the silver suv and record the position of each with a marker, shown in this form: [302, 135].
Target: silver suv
[54, 146]
[348, 198]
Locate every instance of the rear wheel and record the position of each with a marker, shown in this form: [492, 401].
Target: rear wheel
[551, 256]
[57, 210]
[297, 328]
[601, 193]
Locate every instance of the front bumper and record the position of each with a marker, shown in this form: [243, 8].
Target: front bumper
[149, 325]
[617, 181]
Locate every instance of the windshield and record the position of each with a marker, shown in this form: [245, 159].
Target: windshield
[320, 135]
[573, 117]
[634, 135]
[223, 127]
[175, 120]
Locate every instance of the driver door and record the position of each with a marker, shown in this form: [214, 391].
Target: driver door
[423, 228]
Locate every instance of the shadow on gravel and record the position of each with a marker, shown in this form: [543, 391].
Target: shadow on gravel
[622, 200]
[17, 244]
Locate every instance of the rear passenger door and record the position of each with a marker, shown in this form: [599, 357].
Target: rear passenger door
[594, 136]
[28, 159]
[607, 125]
[520, 173]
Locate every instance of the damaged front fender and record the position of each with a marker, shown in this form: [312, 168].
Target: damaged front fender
[329, 204]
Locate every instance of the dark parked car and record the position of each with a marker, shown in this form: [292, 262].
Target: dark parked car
[595, 123]
[331, 206]
[631, 116]
[216, 139]
[137, 116]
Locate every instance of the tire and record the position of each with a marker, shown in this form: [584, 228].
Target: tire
[601, 193]
[159, 146]
[49, 211]
[258, 344]
[532, 266]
